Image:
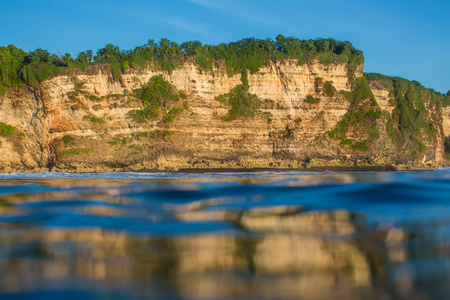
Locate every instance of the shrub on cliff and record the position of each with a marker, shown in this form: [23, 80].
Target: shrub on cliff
[172, 114]
[6, 129]
[363, 91]
[410, 119]
[328, 89]
[311, 100]
[138, 115]
[364, 111]
[243, 103]
[158, 93]
[67, 139]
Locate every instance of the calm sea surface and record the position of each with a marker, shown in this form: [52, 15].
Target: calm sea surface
[268, 235]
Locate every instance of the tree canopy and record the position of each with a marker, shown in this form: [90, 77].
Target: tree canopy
[19, 67]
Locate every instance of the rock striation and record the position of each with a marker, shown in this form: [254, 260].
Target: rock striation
[81, 122]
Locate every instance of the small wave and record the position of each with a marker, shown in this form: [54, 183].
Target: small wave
[155, 175]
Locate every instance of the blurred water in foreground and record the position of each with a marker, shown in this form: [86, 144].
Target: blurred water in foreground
[291, 235]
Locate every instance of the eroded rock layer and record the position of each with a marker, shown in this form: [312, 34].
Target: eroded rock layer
[81, 121]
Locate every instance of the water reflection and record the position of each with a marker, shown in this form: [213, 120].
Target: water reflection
[297, 237]
[192, 266]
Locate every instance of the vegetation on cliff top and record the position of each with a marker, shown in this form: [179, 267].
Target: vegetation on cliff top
[251, 53]
[18, 67]
[411, 121]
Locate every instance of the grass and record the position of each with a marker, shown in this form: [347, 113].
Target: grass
[143, 134]
[138, 116]
[94, 120]
[113, 142]
[172, 114]
[6, 129]
[79, 85]
[347, 95]
[168, 133]
[159, 134]
[94, 98]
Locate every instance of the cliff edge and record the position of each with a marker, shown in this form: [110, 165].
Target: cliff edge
[285, 115]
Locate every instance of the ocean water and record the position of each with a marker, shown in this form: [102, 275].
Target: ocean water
[266, 235]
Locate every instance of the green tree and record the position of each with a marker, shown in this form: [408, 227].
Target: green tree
[291, 47]
[191, 48]
[90, 54]
[18, 67]
[140, 55]
[168, 54]
[85, 57]
[38, 55]
[11, 61]
[67, 58]
[110, 53]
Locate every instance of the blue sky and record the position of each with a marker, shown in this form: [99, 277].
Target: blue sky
[406, 38]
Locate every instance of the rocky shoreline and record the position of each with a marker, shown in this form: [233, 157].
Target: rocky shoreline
[230, 169]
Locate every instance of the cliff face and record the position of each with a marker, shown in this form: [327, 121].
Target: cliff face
[81, 122]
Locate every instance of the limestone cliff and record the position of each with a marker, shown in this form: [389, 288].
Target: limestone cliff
[81, 121]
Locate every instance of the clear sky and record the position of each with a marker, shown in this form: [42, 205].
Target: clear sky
[406, 38]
